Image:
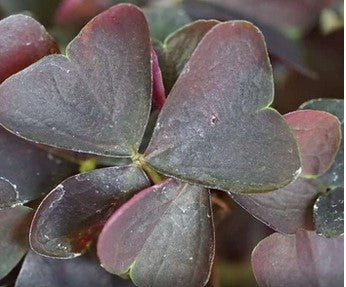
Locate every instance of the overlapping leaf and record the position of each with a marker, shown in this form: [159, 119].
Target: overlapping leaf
[277, 13]
[95, 100]
[318, 135]
[216, 128]
[178, 47]
[38, 271]
[282, 48]
[302, 260]
[290, 208]
[335, 175]
[328, 208]
[158, 93]
[329, 213]
[14, 228]
[23, 41]
[164, 20]
[286, 209]
[71, 216]
[79, 12]
[163, 236]
[26, 171]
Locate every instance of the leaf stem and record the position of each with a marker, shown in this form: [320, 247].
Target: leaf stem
[138, 160]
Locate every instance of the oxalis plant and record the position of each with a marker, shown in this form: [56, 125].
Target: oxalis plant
[151, 215]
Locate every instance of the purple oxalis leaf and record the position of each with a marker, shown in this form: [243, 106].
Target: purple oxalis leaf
[178, 47]
[286, 209]
[334, 177]
[329, 213]
[216, 128]
[158, 90]
[302, 260]
[96, 99]
[163, 236]
[71, 215]
[280, 14]
[14, 228]
[23, 42]
[26, 171]
[318, 134]
[38, 271]
[290, 208]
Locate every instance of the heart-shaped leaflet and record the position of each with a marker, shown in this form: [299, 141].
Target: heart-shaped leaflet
[163, 236]
[216, 128]
[94, 100]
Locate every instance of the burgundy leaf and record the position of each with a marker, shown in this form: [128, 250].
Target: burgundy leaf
[72, 214]
[301, 260]
[26, 171]
[163, 236]
[178, 47]
[318, 135]
[286, 209]
[334, 177]
[23, 41]
[158, 90]
[14, 228]
[38, 271]
[94, 100]
[280, 14]
[216, 128]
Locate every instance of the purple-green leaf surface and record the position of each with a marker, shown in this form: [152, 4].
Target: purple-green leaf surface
[84, 271]
[26, 171]
[163, 236]
[335, 175]
[94, 100]
[318, 135]
[23, 41]
[329, 213]
[178, 47]
[290, 208]
[216, 128]
[14, 243]
[286, 209]
[70, 217]
[301, 260]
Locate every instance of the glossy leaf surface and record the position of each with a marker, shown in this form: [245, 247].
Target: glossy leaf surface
[23, 41]
[301, 260]
[38, 271]
[318, 135]
[14, 228]
[73, 213]
[95, 100]
[286, 209]
[163, 236]
[329, 213]
[216, 128]
[26, 171]
[335, 175]
[177, 49]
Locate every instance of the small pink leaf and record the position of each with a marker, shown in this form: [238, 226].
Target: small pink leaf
[318, 135]
[301, 260]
